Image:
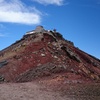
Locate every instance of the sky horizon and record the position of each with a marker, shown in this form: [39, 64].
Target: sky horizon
[77, 20]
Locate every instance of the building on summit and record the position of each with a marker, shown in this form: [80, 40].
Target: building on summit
[38, 29]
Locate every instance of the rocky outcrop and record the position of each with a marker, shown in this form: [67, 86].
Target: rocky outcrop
[71, 54]
[1, 79]
[3, 63]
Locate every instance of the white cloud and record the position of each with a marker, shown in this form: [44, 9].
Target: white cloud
[14, 11]
[47, 2]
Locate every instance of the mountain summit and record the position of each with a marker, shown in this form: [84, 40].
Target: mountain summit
[45, 53]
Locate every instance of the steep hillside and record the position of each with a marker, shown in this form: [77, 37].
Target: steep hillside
[46, 53]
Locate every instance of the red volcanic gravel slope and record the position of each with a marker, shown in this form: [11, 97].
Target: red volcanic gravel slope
[45, 53]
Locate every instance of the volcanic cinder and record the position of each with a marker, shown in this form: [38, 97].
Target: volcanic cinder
[45, 53]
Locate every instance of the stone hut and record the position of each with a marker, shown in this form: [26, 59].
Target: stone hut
[37, 30]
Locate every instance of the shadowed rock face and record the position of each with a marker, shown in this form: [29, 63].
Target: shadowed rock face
[44, 54]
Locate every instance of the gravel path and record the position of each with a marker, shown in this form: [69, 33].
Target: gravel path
[27, 91]
[38, 91]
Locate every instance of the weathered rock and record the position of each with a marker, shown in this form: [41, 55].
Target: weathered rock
[43, 55]
[71, 54]
[3, 63]
[1, 79]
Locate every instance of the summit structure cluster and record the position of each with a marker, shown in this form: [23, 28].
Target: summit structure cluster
[39, 29]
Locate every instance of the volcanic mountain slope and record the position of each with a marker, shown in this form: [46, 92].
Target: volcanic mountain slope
[46, 53]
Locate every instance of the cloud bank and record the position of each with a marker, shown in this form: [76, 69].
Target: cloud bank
[14, 11]
[48, 2]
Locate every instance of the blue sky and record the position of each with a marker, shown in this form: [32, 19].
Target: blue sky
[77, 20]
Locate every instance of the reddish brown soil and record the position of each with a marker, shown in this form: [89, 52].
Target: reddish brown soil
[43, 54]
